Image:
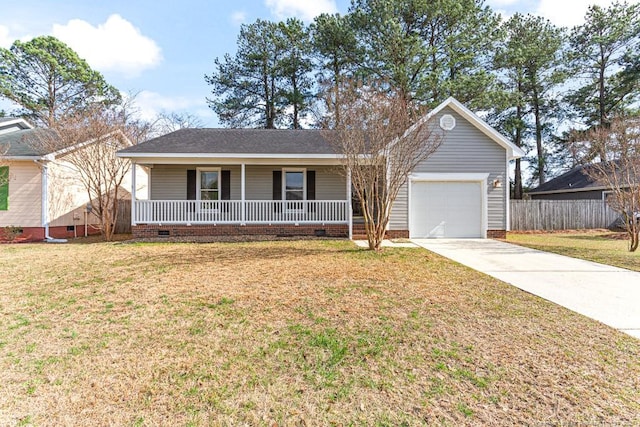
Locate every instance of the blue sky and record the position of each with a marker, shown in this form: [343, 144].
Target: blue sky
[161, 50]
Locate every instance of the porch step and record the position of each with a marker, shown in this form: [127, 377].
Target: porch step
[358, 232]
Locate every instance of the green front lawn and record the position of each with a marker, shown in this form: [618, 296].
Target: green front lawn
[293, 333]
[599, 245]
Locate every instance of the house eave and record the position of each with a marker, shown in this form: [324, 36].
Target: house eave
[24, 158]
[232, 158]
[228, 155]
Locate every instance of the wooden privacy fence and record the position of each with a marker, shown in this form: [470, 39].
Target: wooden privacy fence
[123, 221]
[561, 214]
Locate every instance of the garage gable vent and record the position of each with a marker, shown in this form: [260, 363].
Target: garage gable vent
[447, 122]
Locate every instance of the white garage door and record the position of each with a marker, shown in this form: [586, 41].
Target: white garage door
[446, 209]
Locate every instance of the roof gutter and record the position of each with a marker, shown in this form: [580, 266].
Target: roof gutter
[569, 190]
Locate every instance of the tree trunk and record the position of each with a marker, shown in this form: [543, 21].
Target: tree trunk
[517, 181]
[601, 104]
[539, 147]
[294, 84]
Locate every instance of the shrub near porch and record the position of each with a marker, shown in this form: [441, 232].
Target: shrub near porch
[287, 333]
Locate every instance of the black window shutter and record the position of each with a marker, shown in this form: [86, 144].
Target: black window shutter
[311, 185]
[277, 185]
[277, 189]
[191, 184]
[226, 185]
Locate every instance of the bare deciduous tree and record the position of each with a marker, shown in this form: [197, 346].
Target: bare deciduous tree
[170, 122]
[88, 141]
[621, 174]
[382, 139]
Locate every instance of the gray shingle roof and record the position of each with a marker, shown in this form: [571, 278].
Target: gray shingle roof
[576, 179]
[240, 141]
[22, 143]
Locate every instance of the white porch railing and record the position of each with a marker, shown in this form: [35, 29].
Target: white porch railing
[239, 212]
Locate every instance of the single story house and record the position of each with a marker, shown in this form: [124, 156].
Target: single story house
[575, 184]
[43, 197]
[216, 182]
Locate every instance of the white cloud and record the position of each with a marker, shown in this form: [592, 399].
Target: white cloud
[567, 13]
[115, 46]
[5, 40]
[7, 37]
[239, 18]
[303, 9]
[151, 104]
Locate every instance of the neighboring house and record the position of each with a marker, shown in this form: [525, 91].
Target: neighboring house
[44, 196]
[573, 185]
[216, 182]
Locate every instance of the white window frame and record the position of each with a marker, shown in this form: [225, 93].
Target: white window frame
[284, 188]
[199, 186]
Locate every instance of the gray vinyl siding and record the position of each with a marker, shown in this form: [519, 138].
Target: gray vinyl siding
[465, 149]
[169, 182]
[577, 195]
[330, 185]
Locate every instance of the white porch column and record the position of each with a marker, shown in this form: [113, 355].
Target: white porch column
[349, 205]
[133, 193]
[242, 193]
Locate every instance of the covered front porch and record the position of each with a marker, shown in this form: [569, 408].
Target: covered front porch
[219, 197]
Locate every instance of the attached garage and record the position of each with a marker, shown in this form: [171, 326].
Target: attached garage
[448, 206]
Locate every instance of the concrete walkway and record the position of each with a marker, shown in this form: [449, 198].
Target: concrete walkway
[608, 294]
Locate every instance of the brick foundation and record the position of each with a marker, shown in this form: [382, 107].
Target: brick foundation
[397, 234]
[496, 234]
[36, 234]
[278, 230]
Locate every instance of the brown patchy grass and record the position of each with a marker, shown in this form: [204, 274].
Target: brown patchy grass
[293, 333]
[601, 246]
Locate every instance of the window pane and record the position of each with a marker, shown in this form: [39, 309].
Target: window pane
[295, 195]
[208, 195]
[209, 180]
[294, 181]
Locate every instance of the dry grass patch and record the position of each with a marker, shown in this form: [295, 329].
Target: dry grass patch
[293, 333]
[601, 246]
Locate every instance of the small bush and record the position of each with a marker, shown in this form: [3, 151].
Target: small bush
[10, 233]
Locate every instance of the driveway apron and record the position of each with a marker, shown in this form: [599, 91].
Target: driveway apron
[608, 294]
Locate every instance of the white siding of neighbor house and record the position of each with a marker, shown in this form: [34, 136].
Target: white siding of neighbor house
[68, 196]
[465, 149]
[169, 182]
[25, 203]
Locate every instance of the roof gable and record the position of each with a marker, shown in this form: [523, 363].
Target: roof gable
[513, 151]
[13, 124]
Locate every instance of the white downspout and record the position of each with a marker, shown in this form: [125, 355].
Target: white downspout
[45, 200]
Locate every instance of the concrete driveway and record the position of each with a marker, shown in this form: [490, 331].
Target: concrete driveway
[608, 294]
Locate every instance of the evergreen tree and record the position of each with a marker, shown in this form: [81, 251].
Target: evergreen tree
[49, 80]
[603, 56]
